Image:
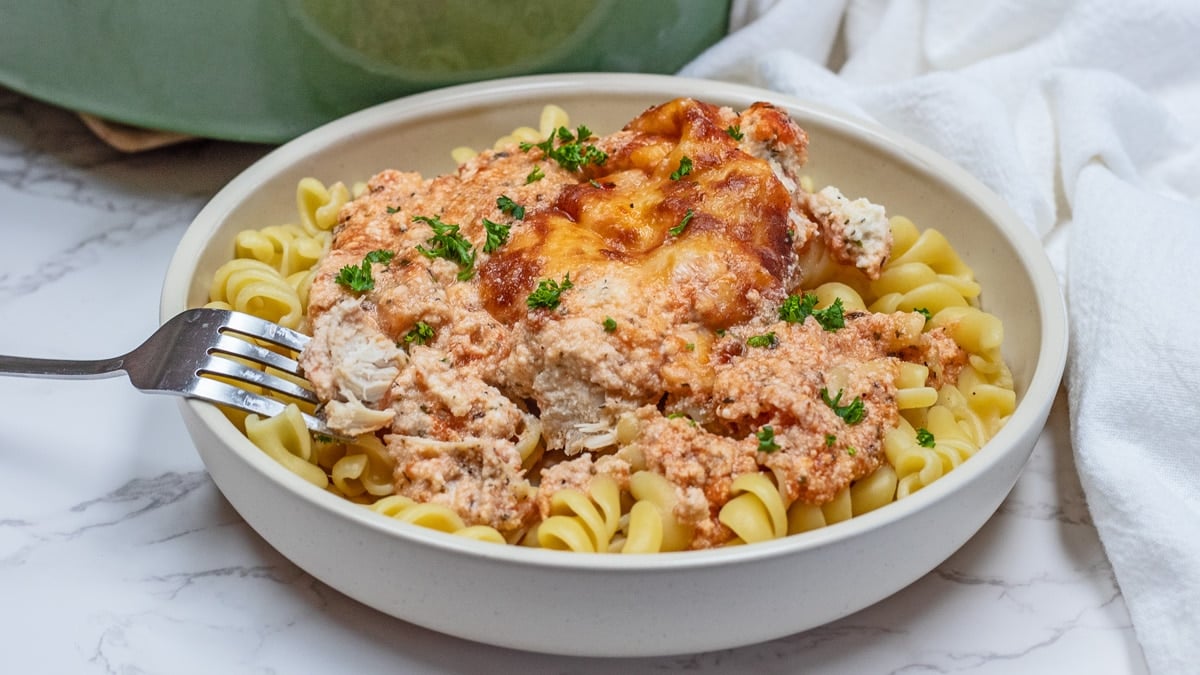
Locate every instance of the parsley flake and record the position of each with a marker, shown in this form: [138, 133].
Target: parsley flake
[924, 312]
[497, 234]
[678, 229]
[573, 152]
[393, 209]
[851, 451]
[925, 438]
[358, 278]
[548, 292]
[767, 340]
[832, 317]
[535, 175]
[766, 439]
[679, 415]
[379, 256]
[323, 438]
[421, 334]
[852, 413]
[830, 439]
[449, 244]
[797, 308]
[734, 131]
[610, 324]
[685, 167]
[510, 208]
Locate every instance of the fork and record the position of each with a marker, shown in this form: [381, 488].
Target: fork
[184, 351]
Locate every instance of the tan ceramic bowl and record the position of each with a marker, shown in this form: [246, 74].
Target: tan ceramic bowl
[612, 605]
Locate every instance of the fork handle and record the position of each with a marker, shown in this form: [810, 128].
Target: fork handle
[22, 366]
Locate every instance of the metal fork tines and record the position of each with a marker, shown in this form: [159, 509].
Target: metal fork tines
[186, 355]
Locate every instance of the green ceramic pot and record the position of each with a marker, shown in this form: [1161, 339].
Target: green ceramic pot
[269, 70]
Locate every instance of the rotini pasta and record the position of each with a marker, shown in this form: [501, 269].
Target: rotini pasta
[272, 267]
[434, 517]
[552, 118]
[583, 522]
[944, 414]
[285, 439]
[757, 512]
[652, 526]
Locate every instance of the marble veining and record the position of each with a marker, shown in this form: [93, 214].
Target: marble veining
[119, 555]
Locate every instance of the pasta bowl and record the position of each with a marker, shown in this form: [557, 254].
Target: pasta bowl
[591, 604]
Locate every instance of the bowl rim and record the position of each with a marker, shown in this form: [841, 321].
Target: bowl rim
[1028, 416]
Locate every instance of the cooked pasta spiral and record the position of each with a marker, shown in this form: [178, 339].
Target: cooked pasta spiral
[552, 117]
[582, 522]
[319, 205]
[286, 440]
[359, 469]
[254, 287]
[924, 272]
[652, 523]
[757, 512]
[435, 517]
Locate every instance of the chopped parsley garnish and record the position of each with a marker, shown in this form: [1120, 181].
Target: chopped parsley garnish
[449, 244]
[573, 151]
[685, 167]
[393, 209]
[734, 131]
[548, 292]
[678, 229]
[850, 450]
[852, 413]
[925, 438]
[323, 438]
[830, 439]
[421, 334]
[679, 415]
[572, 156]
[924, 312]
[691, 346]
[767, 340]
[497, 234]
[358, 278]
[832, 317]
[766, 439]
[610, 324]
[545, 146]
[379, 256]
[535, 175]
[797, 308]
[510, 208]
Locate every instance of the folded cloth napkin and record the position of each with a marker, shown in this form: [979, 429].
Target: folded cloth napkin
[1083, 116]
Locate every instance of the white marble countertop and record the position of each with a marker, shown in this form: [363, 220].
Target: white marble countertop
[118, 554]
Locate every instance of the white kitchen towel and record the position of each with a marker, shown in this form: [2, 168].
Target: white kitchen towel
[1085, 116]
